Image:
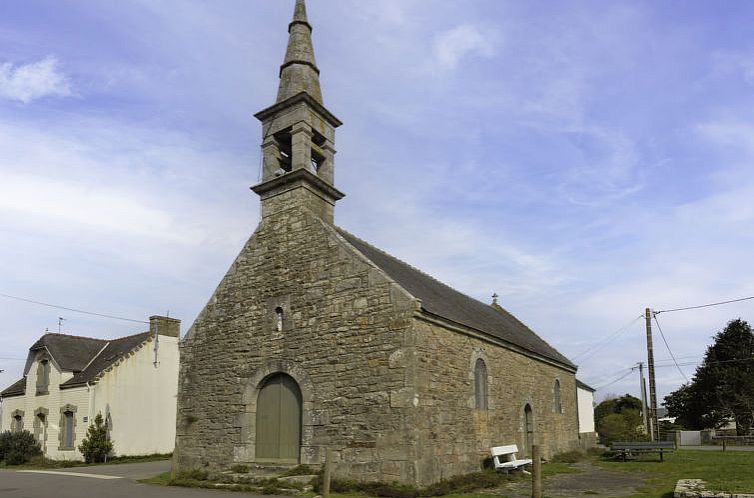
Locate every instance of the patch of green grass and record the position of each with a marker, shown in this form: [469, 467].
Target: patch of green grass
[240, 469]
[159, 480]
[299, 470]
[573, 456]
[729, 471]
[46, 463]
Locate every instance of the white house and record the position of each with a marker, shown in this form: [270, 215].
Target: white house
[132, 381]
[585, 400]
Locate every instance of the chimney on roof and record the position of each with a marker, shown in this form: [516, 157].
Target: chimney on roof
[164, 325]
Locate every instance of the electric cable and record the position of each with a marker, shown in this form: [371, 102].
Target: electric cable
[668, 347]
[598, 345]
[705, 305]
[74, 310]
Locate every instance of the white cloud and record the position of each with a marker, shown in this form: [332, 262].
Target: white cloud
[33, 81]
[451, 46]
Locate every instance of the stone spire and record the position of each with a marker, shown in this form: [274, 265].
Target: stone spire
[298, 134]
[299, 72]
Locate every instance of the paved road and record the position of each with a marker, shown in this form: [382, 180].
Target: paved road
[102, 481]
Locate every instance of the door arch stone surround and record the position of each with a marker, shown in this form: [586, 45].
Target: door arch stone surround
[246, 450]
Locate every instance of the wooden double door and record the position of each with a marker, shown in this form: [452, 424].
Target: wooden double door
[278, 427]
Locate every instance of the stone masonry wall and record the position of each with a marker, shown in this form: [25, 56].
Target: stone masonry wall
[344, 322]
[455, 438]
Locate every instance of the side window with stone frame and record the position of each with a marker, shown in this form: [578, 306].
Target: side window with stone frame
[480, 385]
[18, 423]
[557, 400]
[67, 427]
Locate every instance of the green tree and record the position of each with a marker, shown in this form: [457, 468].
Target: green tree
[96, 445]
[723, 385]
[619, 419]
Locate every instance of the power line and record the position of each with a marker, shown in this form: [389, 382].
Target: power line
[630, 371]
[597, 346]
[74, 310]
[668, 347]
[705, 305]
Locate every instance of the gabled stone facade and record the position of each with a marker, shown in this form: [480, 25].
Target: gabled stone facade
[315, 339]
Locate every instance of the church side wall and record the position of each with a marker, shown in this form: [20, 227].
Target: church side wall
[345, 339]
[455, 437]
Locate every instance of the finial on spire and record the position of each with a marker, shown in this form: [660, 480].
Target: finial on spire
[494, 298]
[299, 72]
[299, 14]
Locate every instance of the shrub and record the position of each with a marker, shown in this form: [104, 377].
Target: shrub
[17, 448]
[240, 469]
[96, 445]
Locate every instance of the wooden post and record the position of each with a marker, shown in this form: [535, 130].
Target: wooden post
[536, 472]
[328, 472]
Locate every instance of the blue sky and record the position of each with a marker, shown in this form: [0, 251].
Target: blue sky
[584, 160]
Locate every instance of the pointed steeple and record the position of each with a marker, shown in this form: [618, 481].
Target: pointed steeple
[298, 134]
[299, 72]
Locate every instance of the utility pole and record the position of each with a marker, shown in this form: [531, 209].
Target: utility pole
[643, 391]
[653, 427]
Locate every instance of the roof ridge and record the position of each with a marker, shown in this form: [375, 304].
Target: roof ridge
[418, 270]
[56, 334]
[129, 336]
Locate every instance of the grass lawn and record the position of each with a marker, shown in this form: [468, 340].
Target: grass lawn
[43, 463]
[730, 471]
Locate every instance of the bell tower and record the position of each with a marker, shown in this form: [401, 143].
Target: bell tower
[298, 133]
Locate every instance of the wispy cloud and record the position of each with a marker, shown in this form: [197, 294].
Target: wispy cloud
[29, 82]
[465, 40]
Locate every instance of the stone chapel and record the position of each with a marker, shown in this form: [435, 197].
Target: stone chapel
[315, 339]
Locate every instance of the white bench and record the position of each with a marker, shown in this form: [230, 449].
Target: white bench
[504, 458]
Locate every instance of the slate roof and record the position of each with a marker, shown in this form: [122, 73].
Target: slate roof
[86, 357]
[444, 301]
[116, 349]
[18, 387]
[70, 352]
[584, 386]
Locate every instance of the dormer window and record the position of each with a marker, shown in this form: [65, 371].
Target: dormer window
[43, 376]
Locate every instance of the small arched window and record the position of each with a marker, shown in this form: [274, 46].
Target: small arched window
[18, 423]
[557, 403]
[480, 385]
[279, 317]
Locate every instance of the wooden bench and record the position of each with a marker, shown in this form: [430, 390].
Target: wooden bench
[628, 448]
[504, 458]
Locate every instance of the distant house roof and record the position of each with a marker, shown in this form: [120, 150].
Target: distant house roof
[86, 357]
[584, 386]
[15, 389]
[70, 352]
[114, 351]
[444, 301]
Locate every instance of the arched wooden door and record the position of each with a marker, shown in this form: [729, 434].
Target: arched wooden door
[528, 429]
[278, 427]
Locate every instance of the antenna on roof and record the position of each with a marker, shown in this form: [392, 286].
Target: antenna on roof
[60, 323]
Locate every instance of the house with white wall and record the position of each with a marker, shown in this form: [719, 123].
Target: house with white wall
[585, 403]
[132, 381]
